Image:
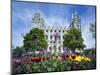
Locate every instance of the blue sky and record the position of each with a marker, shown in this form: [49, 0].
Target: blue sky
[54, 14]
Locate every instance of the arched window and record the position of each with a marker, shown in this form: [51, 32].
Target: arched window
[51, 37]
[50, 48]
[46, 36]
[46, 30]
[59, 48]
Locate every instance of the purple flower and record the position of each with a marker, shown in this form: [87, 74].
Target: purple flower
[30, 49]
[17, 61]
[66, 49]
[23, 55]
[42, 49]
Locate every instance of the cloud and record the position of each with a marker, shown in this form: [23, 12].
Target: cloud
[21, 23]
[86, 34]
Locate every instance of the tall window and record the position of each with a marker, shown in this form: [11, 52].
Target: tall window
[46, 30]
[59, 41]
[63, 36]
[50, 41]
[51, 37]
[59, 37]
[50, 48]
[46, 36]
[59, 49]
[54, 47]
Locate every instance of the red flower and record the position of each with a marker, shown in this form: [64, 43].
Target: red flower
[67, 55]
[35, 59]
[73, 56]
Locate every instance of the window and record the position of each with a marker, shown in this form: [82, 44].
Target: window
[59, 41]
[59, 37]
[55, 30]
[46, 30]
[54, 47]
[51, 30]
[59, 30]
[51, 37]
[50, 41]
[63, 31]
[59, 49]
[50, 48]
[46, 36]
[63, 37]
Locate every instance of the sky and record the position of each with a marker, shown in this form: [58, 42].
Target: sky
[54, 15]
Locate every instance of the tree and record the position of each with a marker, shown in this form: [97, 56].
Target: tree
[18, 51]
[35, 39]
[73, 39]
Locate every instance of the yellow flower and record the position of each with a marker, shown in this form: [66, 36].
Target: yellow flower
[78, 58]
[87, 59]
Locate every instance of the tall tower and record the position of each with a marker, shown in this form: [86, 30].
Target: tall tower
[75, 22]
[37, 20]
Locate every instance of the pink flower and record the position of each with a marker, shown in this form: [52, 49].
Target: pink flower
[17, 61]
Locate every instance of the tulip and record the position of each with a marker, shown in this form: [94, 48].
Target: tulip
[35, 59]
[67, 55]
[64, 57]
[79, 58]
[73, 56]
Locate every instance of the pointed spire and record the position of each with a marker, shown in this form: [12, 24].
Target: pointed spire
[38, 19]
[74, 14]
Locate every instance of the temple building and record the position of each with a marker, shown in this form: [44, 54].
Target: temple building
[55, 34]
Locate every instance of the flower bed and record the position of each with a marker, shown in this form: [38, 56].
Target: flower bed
[53, 63]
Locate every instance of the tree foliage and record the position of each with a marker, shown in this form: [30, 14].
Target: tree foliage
[35, 39]
[18, 51]
[73, 39]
